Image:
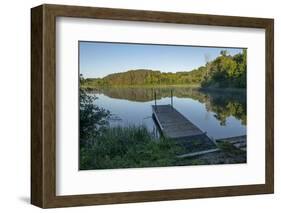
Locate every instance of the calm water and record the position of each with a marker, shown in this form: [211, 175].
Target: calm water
[219, 113]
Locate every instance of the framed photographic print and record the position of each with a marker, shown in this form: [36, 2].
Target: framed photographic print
[136, 106]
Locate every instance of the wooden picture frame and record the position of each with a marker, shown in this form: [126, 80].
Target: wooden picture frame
[43, 105]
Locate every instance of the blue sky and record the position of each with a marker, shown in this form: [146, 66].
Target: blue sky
[98, 59]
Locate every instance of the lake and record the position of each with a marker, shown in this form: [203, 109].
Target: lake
[220, 112]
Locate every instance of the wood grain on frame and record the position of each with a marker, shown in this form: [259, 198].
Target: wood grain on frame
[43, 105]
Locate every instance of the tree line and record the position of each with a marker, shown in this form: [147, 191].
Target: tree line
[224, 71]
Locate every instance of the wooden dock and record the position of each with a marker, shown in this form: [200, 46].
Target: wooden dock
[173, 124]
[194, 141]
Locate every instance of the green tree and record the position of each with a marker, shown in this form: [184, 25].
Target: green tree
[227, 71]
[93, 119]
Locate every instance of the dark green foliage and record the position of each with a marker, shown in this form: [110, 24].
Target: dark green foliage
[93, 119]
[127, 147]
[227, 71]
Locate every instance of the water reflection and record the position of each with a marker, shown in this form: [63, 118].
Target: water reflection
[222, 103]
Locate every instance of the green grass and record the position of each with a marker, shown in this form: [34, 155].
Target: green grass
[127, 147]
[135, 147]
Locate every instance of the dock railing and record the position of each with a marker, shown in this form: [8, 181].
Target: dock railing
[171, 97]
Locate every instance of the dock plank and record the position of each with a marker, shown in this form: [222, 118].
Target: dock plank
[173, 124]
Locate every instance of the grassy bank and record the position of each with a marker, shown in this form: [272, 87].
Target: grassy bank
[127, 147]
[135, 147]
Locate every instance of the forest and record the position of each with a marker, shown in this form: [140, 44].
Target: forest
[225, 71]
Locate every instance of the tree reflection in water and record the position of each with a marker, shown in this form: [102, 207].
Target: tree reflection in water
[222, 102]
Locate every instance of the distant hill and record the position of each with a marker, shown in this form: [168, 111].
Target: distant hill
[146, 77]
[224, 71]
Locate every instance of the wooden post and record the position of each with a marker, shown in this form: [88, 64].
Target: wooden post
[172, 98]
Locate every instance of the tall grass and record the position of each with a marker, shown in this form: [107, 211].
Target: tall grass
[127, 147]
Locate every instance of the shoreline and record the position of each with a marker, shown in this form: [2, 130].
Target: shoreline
[141, 86]
[193, 86]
